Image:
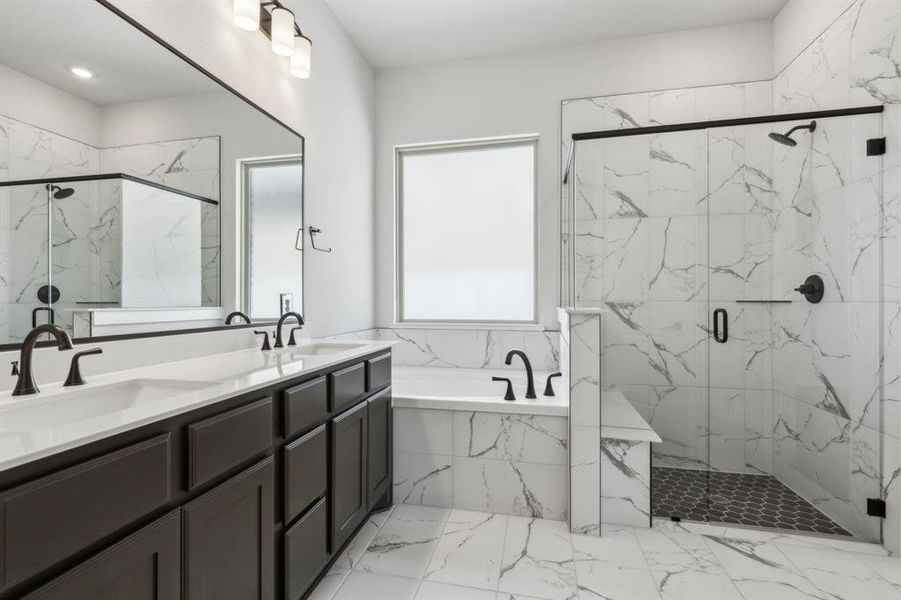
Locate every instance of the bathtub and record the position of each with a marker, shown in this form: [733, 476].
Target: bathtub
[473, 390]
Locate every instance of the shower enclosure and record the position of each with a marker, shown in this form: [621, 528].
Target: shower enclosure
[695, 238]
[112, 240]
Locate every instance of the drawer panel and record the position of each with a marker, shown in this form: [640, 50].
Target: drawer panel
[305, 406]
[306, 471]
[145, 565]
[378, 373]
[306, 551]
[220, 443]
[348, 386]
[76, 507]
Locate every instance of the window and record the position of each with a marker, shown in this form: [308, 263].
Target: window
[273, 223]
[466, 232]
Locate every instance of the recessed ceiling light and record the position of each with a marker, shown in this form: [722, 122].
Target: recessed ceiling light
[81, 72]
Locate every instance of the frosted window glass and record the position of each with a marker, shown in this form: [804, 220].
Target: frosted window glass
[468, 233]
[274, 205]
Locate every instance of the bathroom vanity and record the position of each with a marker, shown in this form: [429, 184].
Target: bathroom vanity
[246, 489]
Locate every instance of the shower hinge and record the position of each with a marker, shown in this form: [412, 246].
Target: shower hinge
[876, 146]
[876, 507]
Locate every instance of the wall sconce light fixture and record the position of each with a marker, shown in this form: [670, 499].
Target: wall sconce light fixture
[277, 23]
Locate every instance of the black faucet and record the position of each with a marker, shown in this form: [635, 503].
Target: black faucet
[25, 384]
[237, 314]
[530, 389]
[74, 377]
[281, 321]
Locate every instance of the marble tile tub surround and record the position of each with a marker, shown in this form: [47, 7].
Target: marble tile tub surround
[425, 553]
[513, 464]
[853, 63]
[471, 348]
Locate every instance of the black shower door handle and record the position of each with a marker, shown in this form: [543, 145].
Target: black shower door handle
[720, 332]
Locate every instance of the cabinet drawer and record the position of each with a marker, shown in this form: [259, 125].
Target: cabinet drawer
[348, 386]
[306, 471]
[378, 372]
[305, 405]
[220, 443]
[52, 518]
[306, 550]
[144, 565]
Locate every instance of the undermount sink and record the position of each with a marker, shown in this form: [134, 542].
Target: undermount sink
[69, 406]
[320, 348]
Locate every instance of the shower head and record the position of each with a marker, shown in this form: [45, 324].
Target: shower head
[59, 192]
[786, 138]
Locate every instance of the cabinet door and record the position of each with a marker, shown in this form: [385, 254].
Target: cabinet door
[379, 443]
[229, 538]
[306, 550]
[143, 566]
[348, 491]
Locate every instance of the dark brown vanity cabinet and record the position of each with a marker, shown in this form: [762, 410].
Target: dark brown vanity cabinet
[379, 459]
[349, 469]
[143, 566]
[228, 538]
[249, 498]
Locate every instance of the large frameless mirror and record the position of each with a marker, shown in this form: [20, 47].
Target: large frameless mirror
[137, 193]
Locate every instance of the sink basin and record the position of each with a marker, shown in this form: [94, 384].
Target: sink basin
[320, 348]
[68, 407]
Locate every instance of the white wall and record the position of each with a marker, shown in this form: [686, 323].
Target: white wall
[245, 133]
[798, 24]
[521, 93]
[334, 110]
[27, 99]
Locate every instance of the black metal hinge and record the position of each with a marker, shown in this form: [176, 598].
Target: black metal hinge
[876, 507]
[876, 146]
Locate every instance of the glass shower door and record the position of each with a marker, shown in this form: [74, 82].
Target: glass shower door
[795, 386]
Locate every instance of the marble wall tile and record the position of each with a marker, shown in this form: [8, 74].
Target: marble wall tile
[423, 431]
[470, 348]
[511, 488]
[625, 482]
[891, 493]
[422, 479]
[585, 480]
[510, 437]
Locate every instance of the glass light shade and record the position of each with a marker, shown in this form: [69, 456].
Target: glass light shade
[282, 32]
[302, 58]
[246, 14]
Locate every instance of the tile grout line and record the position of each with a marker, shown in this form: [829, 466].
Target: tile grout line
[428, 562]
[352, 566]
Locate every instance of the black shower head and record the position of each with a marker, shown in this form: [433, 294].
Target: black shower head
[786, 138]
[59, 192]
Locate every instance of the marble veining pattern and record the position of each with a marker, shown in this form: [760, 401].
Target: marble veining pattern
[513, 464]
[485, 556]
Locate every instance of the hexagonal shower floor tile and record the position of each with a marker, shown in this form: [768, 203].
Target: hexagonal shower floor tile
[754, 500]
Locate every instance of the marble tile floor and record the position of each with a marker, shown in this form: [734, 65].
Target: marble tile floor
[743, 499]
[426, 553]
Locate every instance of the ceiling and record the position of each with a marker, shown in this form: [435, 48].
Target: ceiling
[43, 38]
[395, 33]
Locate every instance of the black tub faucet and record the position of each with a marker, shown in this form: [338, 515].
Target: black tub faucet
[281, 321]
[25, 384]
[530, 389]
[236, 315]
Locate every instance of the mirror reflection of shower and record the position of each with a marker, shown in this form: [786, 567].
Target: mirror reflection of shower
[54, 192]
[786, 138]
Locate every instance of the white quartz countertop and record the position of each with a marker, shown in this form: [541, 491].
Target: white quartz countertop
[620, 420]
[60, 418]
